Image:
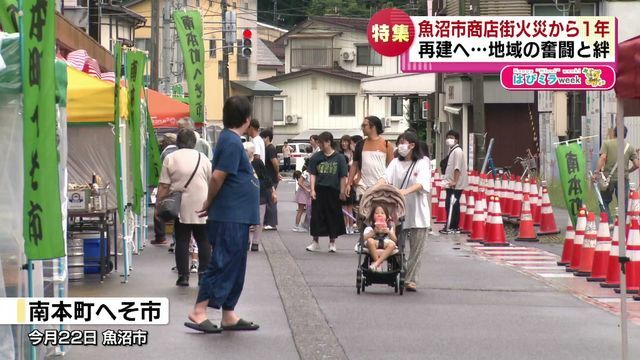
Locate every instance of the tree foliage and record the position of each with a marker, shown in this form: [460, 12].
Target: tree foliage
[291, 12]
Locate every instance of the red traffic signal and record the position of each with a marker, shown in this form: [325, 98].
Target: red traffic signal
[246, 43]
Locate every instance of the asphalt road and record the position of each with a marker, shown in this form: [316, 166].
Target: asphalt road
[306, 303]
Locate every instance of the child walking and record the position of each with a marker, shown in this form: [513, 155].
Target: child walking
[303, 199]
[380, 236]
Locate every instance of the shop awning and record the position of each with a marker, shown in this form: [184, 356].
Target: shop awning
[89, 99]
[255, 88]
[165, 111]
[628, 79]
[399, 85]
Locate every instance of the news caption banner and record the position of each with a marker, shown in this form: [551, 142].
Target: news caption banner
[530, 53]
[85, 311]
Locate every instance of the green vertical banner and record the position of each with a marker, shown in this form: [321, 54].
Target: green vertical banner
[9, 16]
[117, 54]
[136, 61]
[189, 29]
[153, 155]
[42, 224]
[572, 165]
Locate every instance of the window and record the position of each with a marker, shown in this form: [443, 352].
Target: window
[143, 44]
[212, 48]
[367, 56]
[396, 106]
[242, 63]
[342, 105]
[552, 10]
[278, 110]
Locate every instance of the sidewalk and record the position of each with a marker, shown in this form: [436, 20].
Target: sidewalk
[152, 277]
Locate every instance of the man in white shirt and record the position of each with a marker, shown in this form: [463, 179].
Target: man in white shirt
[254, 132]
[455, 181]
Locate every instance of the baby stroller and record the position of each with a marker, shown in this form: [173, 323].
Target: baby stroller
[394, 275]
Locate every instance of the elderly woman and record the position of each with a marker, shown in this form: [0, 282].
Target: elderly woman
[266, 191]
[188, 171]
[410, 172]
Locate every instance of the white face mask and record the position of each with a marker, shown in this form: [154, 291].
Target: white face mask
[403, 150]
[451, 142]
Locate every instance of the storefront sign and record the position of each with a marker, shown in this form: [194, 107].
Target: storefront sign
[572, 167]
[136, 61]
[564, 78]
[8, 16]
[42, 219]
[189, 29]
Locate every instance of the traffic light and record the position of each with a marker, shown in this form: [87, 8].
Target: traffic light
[246, 43]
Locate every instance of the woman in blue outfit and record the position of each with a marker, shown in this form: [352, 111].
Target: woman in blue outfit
[232, 206]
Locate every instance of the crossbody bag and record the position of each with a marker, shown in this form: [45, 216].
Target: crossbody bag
[169, 207]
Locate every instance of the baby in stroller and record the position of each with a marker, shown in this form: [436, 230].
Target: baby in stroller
[380, 236]
[382, 207]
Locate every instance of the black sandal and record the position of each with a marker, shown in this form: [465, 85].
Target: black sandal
[241, 325]
[206, 327]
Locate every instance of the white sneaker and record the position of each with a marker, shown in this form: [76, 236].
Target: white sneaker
[332, 248]
[313, 247]
[298, 229]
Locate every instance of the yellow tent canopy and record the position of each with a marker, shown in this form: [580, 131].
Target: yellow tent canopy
[90, 99]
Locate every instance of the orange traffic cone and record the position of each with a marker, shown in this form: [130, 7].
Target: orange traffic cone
[613, 268]
[463, 210]
[511, 188]
[516, 206]
[547, 221]
[588, 247]
[505, 195]
[468, 218]
[633, 252]
[603, 248]
[537, 216]
[495, 233]
[533, 195]
[581, 228]
[634, 205]
[526, 231]
[499, 191]
[568, 244]
[491, 185]
[488, 228]
[441, 216]
[478, 222]
[434, 199]
[526, 189]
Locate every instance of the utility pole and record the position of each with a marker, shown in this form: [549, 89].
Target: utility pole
[225, 52]
[275, 12]
[155, 44]
[167, 46]
[477, 89]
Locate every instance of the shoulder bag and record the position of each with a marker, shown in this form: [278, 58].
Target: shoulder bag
[444, 162]
[605, 181]
[169, 207]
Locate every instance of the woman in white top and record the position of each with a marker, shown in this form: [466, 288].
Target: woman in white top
[410, 172]
[177, 169]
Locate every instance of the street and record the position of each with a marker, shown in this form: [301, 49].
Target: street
[467, 306]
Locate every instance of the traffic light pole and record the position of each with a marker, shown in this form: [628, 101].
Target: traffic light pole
[225, 53]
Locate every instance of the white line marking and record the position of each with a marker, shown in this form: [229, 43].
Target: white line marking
[612, 299]
[531, 262]
[552, 275]
[544, 268]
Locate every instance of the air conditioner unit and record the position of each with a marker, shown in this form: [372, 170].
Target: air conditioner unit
[291, 119]
[347, 55]
[387, 122]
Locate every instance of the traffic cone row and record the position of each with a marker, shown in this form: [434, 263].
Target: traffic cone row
[436, 191]
[568, 245]
[603, 248]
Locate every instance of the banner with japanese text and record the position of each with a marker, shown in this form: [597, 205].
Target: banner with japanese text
[189, 29]
[572, 165]
[117, 54]
[9, 15]
[136, 61]
[153, 153]
[42, 219]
